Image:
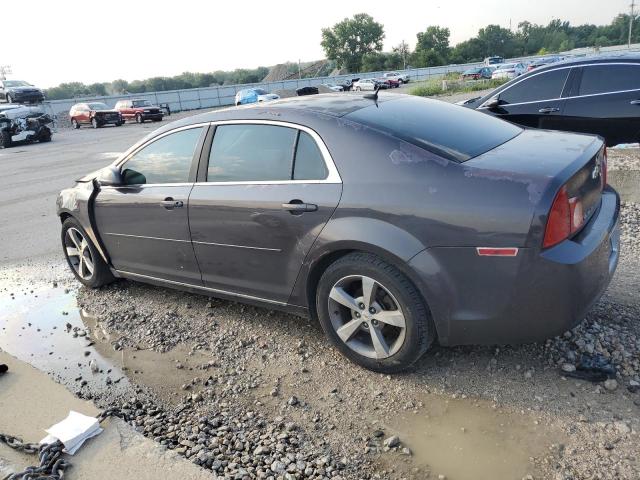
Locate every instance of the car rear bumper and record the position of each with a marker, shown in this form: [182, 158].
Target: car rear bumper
[530, 297]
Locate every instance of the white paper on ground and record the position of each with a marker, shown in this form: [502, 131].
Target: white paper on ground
[73, 431]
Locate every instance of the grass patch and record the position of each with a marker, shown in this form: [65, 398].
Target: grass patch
[432, 88]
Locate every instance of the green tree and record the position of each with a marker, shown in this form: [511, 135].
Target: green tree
[348, 41]
[432, 47]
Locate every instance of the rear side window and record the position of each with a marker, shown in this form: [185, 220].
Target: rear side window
[167, 160]
[544, 86]
[251, 153]
[309, 162]
[609, 78]
[450, 131]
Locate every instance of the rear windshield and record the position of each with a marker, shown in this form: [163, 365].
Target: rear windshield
[451, 131]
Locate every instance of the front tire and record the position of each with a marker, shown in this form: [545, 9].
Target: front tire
[5, 139]
[373, 313]
[94, 123]
[9, 99]
[75, 124]
[82, 257]
[139, 118]
[45, 136]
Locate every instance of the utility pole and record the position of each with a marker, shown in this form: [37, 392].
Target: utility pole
[633, 4]
[299, 70]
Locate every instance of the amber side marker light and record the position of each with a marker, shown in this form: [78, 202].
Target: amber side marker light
[496, 252]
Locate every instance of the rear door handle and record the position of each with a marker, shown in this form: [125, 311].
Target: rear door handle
[169, 203]
[299, 207]
[635, 102]
[549, 110]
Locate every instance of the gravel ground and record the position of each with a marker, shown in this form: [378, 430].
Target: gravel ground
[280, 401]
[623, 159]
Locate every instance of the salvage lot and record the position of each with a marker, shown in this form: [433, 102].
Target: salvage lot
[262, 391]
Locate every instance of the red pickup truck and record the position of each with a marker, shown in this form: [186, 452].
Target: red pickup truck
[139, 110]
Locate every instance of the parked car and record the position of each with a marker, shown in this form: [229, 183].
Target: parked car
[478, 73]
[598, 95]
[333, 86]
[302, 91]
[254, 95]
[23, 124]
[421, 221]
[509, 70]
[140, 110]
[399, 77]
[369, 84]
[390, 82]
[19, 91]
[96, 114]
[495, 60]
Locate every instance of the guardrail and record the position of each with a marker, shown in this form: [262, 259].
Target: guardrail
[220, 96]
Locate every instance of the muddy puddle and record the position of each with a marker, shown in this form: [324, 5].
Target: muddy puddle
[43, 326]
[468, 440]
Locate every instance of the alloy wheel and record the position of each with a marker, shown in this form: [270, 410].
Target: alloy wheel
[79, 253]
[366, 317]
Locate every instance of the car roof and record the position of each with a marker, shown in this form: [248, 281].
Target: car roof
[622, 58]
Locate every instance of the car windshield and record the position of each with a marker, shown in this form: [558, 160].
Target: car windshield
[141, 103]
[98, 106]
[16, 83]
[260, 91]
[434, 126]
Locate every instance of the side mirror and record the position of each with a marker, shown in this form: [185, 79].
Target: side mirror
[110, 177]
[493, 102]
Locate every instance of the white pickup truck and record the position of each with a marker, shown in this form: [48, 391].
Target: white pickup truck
[400, 77]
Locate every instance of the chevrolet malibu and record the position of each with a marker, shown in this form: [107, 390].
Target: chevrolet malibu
[395, 221]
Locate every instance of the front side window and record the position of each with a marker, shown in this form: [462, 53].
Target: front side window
[251, 153]
[167, 160]
[545, 86]
[609, 78]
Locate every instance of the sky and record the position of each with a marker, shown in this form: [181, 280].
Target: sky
[99, 41]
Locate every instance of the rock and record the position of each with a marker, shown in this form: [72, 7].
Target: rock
[278, 467]
[378, 434]
[622, 427]
[611, 384]
[568, 367]
[406, 451]
[392, 442]
[93, 365]
[293, 400]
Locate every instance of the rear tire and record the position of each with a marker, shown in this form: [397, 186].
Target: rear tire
[395, 313]
[5, 139]
[82, 257]
[45, 136]
[9, 99]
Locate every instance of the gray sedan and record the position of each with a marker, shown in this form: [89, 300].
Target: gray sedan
[394, 221]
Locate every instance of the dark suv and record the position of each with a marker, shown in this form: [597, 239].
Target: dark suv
[598, 95]
[139, 109]
[19, 91]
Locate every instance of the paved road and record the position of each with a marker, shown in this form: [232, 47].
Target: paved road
[34, 174]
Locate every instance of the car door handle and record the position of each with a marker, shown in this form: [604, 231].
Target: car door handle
[169, 203]
[635, 102]
[296, 206]
[549, 110]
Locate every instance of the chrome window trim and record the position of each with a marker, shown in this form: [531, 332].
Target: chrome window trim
[127, 156]
[125, 273]
[565, 84]
[333, 177]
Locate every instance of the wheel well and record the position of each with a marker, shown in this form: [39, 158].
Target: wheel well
[318, 269]
[64, 216]
[314, 277]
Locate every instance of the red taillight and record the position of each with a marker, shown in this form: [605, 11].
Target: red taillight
[558, 223]
[565, 218]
